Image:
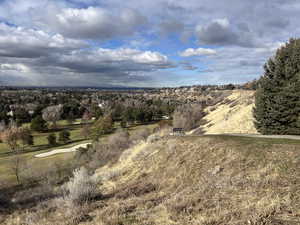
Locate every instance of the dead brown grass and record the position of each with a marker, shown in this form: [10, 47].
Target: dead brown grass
[197, 180]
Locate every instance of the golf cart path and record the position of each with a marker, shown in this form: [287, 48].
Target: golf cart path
[62, 150]
[293, 137]
[290, 137]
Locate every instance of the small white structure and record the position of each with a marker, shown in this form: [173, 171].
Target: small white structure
[178, 132]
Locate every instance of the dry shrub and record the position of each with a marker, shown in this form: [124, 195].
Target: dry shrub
[49, 173]
[146, 152]
[103, 154]
[217, 97]
[164, 124]
[188, 117]
[153, 138]
[119, 140]
[81, 187]
[140, 135]
[110, 152]
[72, 214]
[111, 174]
[33, 195]
[136, 189]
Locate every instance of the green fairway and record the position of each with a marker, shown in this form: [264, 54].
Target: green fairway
[38, 165]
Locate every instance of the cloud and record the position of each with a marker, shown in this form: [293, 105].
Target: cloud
[277, 22]
[188, 66]
[99, 66]
[197, 52]
[117, 61]
[15, 67]
[170, 26]
[95, 42]
[20, 42]
[97, 23]
[219, 32]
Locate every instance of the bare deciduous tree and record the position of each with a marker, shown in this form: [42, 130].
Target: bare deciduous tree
[52, 114]
[16, 164]
[85, 131]
[188, 116]
[11, 136]
[119, 140]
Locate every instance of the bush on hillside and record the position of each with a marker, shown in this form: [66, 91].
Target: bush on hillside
[81, 187]
[188, 117]
[140, 135]
[119, 140]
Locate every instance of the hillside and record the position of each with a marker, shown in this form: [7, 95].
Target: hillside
[211, 180]
[190, 180]
[232, 115]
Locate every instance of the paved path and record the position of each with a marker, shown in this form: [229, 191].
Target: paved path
[290, 137]
[63, 150]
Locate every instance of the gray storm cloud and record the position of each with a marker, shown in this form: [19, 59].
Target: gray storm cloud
[92, 42]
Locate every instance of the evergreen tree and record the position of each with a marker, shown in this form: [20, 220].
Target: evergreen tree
[277, 99]
[103, 125]
[38, 124]
[64, 136]
[52, 139]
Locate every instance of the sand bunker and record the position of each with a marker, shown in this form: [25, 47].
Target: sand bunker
[63, 150]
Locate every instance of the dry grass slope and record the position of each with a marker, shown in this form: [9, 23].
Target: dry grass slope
[213, 180]
[232, 115]
[202, 181]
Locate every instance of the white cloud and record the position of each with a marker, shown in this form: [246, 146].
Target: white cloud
[21, 42]
[270, 47]
[197, 52]
[97, 23]
[16, 67]
[223, 22]
[118, 60]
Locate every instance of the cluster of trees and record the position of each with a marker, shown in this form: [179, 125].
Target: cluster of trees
[140, 110]
[33, 106]
[16, 138]
[13, 136]
[63, 137]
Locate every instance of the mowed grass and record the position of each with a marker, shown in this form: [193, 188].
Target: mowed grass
[7, 176]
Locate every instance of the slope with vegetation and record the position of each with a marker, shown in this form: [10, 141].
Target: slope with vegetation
[232, 113]
[185, 180]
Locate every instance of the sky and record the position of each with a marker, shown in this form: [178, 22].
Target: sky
[141, 43]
